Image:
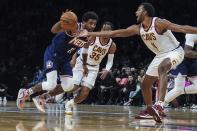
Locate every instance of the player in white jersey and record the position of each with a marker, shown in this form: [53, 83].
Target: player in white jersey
[188, 68]
[98, 49]
[156, 34]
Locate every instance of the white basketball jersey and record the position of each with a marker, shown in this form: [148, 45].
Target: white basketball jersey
[158, 43]
[97, 51]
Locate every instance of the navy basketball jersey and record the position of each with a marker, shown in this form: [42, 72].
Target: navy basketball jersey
[58, 54]
[63, 46]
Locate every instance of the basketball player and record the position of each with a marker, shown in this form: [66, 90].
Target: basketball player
[89, 21]
[96, 52]
[188, 68]
[98, 49]
[156, 34]
[56, 59]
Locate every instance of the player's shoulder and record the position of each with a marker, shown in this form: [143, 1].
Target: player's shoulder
[161, 20]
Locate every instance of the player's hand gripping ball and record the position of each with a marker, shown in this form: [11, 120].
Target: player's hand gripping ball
[68, 20]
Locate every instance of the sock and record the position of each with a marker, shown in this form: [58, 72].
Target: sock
[161, 103]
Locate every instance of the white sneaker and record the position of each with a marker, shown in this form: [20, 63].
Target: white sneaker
[39, 103]
[69, 107]
[22, 96]
[69, 122]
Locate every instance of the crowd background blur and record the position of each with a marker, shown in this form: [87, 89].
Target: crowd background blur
[25, 32]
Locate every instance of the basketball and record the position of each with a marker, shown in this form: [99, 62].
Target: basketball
[68, 20]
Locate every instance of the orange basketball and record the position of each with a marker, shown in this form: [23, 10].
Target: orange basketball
[68, 20]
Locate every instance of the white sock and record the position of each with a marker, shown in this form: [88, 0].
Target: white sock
[177, 90]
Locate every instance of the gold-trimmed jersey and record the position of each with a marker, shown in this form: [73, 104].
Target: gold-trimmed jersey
[158, 43]
[97, 51]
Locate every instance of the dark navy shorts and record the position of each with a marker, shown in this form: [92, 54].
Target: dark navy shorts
[187, 67]
[51, 64]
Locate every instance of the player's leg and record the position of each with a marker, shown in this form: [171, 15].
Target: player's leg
[150, 77]
[179, 82]
[49, 84]
[65, 86]
[147, 89]
[171, 60]
[147, 95]
[50, 68]
[87, 84]
[192, 89]
[163, 69]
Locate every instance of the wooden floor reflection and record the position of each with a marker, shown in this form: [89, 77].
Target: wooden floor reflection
[92, 118]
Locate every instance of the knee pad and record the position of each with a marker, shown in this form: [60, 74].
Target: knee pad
[67, 83]
[51, 82]
[49, 85]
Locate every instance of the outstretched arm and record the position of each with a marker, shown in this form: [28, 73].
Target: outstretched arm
[165, 24]
[130, 31]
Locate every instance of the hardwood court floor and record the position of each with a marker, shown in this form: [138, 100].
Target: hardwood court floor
[92, 118]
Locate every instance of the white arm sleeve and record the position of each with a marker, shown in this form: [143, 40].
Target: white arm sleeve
[190, 39]
[110, 60]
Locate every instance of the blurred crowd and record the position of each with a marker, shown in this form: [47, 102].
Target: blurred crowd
[25, 32]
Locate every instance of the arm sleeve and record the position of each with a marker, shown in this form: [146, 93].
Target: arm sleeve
[109, 62]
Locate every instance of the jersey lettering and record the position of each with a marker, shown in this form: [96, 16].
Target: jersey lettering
[77, 42]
